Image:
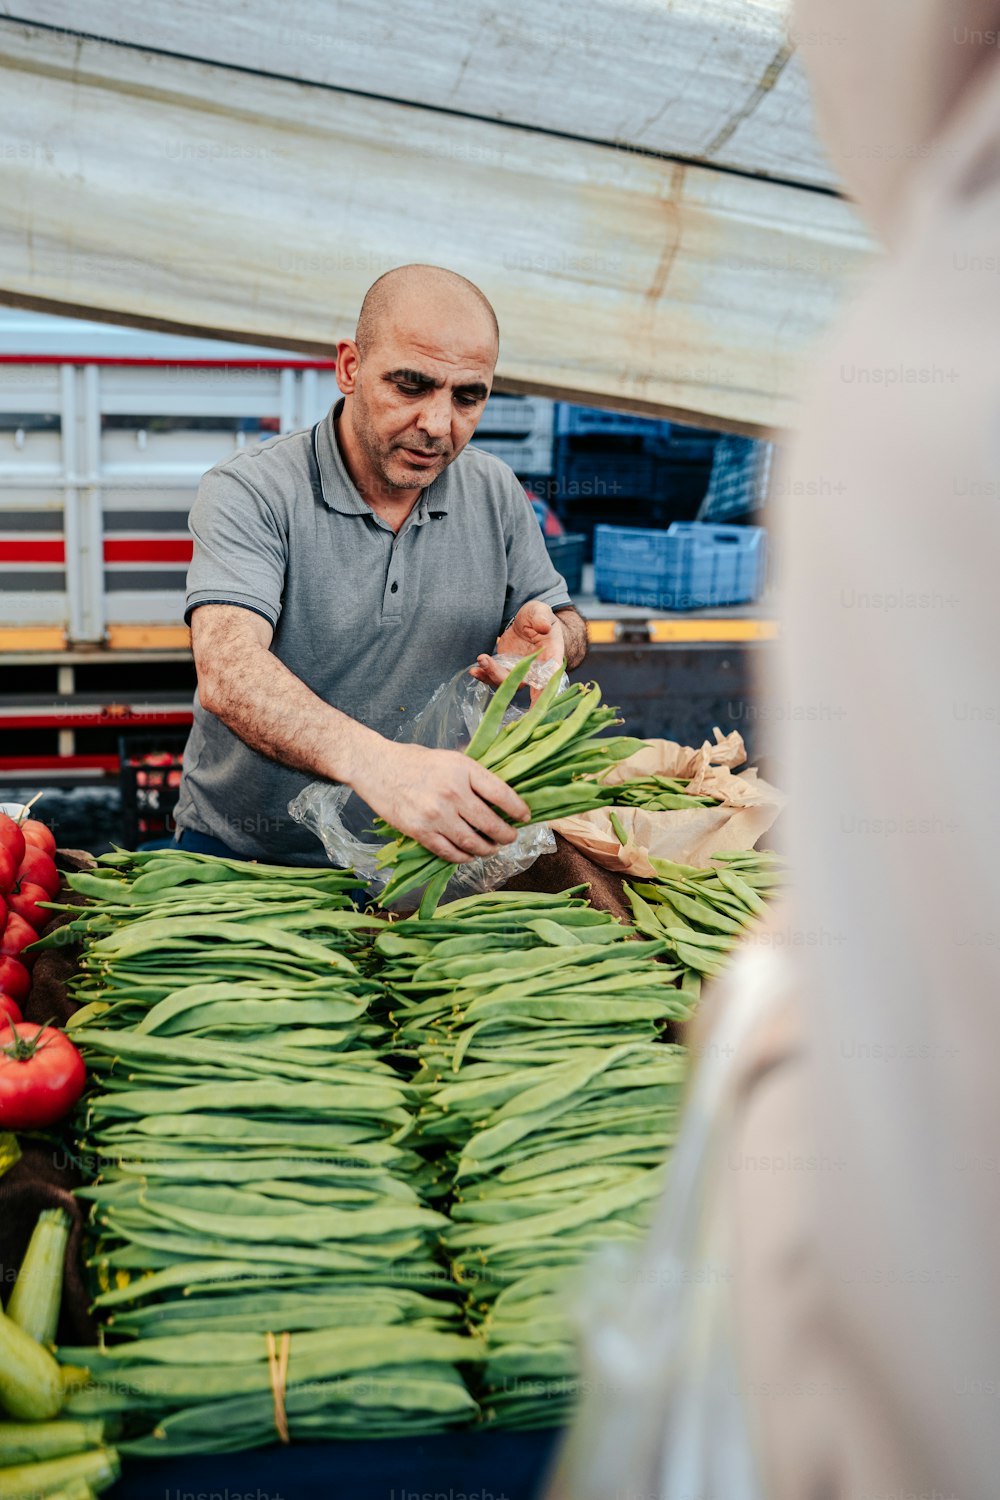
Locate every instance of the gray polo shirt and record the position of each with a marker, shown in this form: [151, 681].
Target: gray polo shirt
[370, 619]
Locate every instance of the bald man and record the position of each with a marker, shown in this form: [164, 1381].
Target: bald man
[341, 574]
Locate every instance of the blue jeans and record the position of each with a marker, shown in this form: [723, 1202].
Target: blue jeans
[203, 843]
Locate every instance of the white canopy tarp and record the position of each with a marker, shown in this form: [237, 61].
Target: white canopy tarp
[636, 187]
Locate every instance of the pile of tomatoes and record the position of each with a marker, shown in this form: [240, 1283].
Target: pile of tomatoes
[41, 1072]
[28, 876]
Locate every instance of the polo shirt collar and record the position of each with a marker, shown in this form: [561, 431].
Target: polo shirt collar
[338, 488]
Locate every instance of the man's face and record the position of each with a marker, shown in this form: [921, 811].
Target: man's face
[418, 393]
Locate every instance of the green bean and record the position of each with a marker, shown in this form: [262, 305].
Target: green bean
[710, 940]
[523, 730]
[490, 723]
[744, 893]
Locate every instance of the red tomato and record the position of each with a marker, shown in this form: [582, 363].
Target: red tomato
[38, 867]
[11, 839]
[8, 869]
[40, 835]
[3, 913]
[14, 979]
[25, 902]
[41, 1076]
[16, 936]
[9, 1010]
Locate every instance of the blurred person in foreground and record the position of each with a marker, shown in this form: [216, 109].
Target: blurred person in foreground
[840, 1163]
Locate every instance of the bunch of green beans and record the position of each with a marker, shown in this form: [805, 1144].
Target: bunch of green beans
[549, 756]
[701, 914]
[251, 1172]
[214, 910]
[548, 1103]
[213, 1392]
[127, 887]
[659, 794]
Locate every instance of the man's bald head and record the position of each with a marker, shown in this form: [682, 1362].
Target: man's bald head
[409, 293]
[415, 378]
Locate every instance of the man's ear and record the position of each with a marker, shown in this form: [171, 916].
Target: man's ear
[348, 364]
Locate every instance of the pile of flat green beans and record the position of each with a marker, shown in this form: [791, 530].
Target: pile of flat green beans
[700, 914]
[395, 1141]
[252, 1169]
[549, 756]
[660, 794]
[548, 1102]
[126, 887]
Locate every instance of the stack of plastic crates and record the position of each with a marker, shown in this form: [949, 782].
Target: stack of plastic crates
[740, 479]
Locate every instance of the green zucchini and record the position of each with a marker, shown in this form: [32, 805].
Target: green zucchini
[31, 1382]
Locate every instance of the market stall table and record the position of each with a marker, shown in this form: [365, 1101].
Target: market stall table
[471, 1464]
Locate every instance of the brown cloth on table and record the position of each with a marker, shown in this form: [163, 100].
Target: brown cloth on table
[45, 1174]
[568, 867]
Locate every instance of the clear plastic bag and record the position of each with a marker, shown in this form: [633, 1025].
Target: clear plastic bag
[344, 823]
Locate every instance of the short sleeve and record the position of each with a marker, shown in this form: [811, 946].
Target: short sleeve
[240, 549]
[530, 571]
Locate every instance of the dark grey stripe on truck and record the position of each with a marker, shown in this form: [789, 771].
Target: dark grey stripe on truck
[31, 520]
[145, 520]
[28, 580]
[131, 580]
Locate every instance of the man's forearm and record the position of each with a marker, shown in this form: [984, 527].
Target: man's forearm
[273, 711]
[575, 631]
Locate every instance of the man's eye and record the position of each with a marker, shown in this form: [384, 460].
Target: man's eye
[409, 390]
[468, 400]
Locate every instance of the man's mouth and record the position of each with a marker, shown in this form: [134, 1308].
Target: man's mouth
[421, 456]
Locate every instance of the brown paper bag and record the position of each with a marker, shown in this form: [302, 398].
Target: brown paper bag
[746, 809]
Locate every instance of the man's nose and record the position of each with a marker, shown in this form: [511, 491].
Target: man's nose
[435, 415]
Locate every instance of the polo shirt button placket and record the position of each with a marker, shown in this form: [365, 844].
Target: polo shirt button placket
[390, 599]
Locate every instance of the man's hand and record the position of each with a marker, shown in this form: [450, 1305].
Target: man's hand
[441, 798]
[535, 627]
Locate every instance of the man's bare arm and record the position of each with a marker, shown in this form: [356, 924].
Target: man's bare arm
[575, 635]
[440, 797]
[259, 699]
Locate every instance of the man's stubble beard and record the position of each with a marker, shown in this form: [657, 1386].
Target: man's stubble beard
[378, 460]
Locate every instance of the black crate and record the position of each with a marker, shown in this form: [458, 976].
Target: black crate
[603, 477]
[567, 553]
[150, 780]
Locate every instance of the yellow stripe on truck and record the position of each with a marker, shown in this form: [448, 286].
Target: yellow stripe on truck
[713, 630]
[119, 638]
[149, 638]
[32, 638]
[660, 632]
[599, 633]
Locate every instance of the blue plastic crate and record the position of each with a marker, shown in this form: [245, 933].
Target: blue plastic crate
[691, 565]
[566, 553]
[585, 421]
